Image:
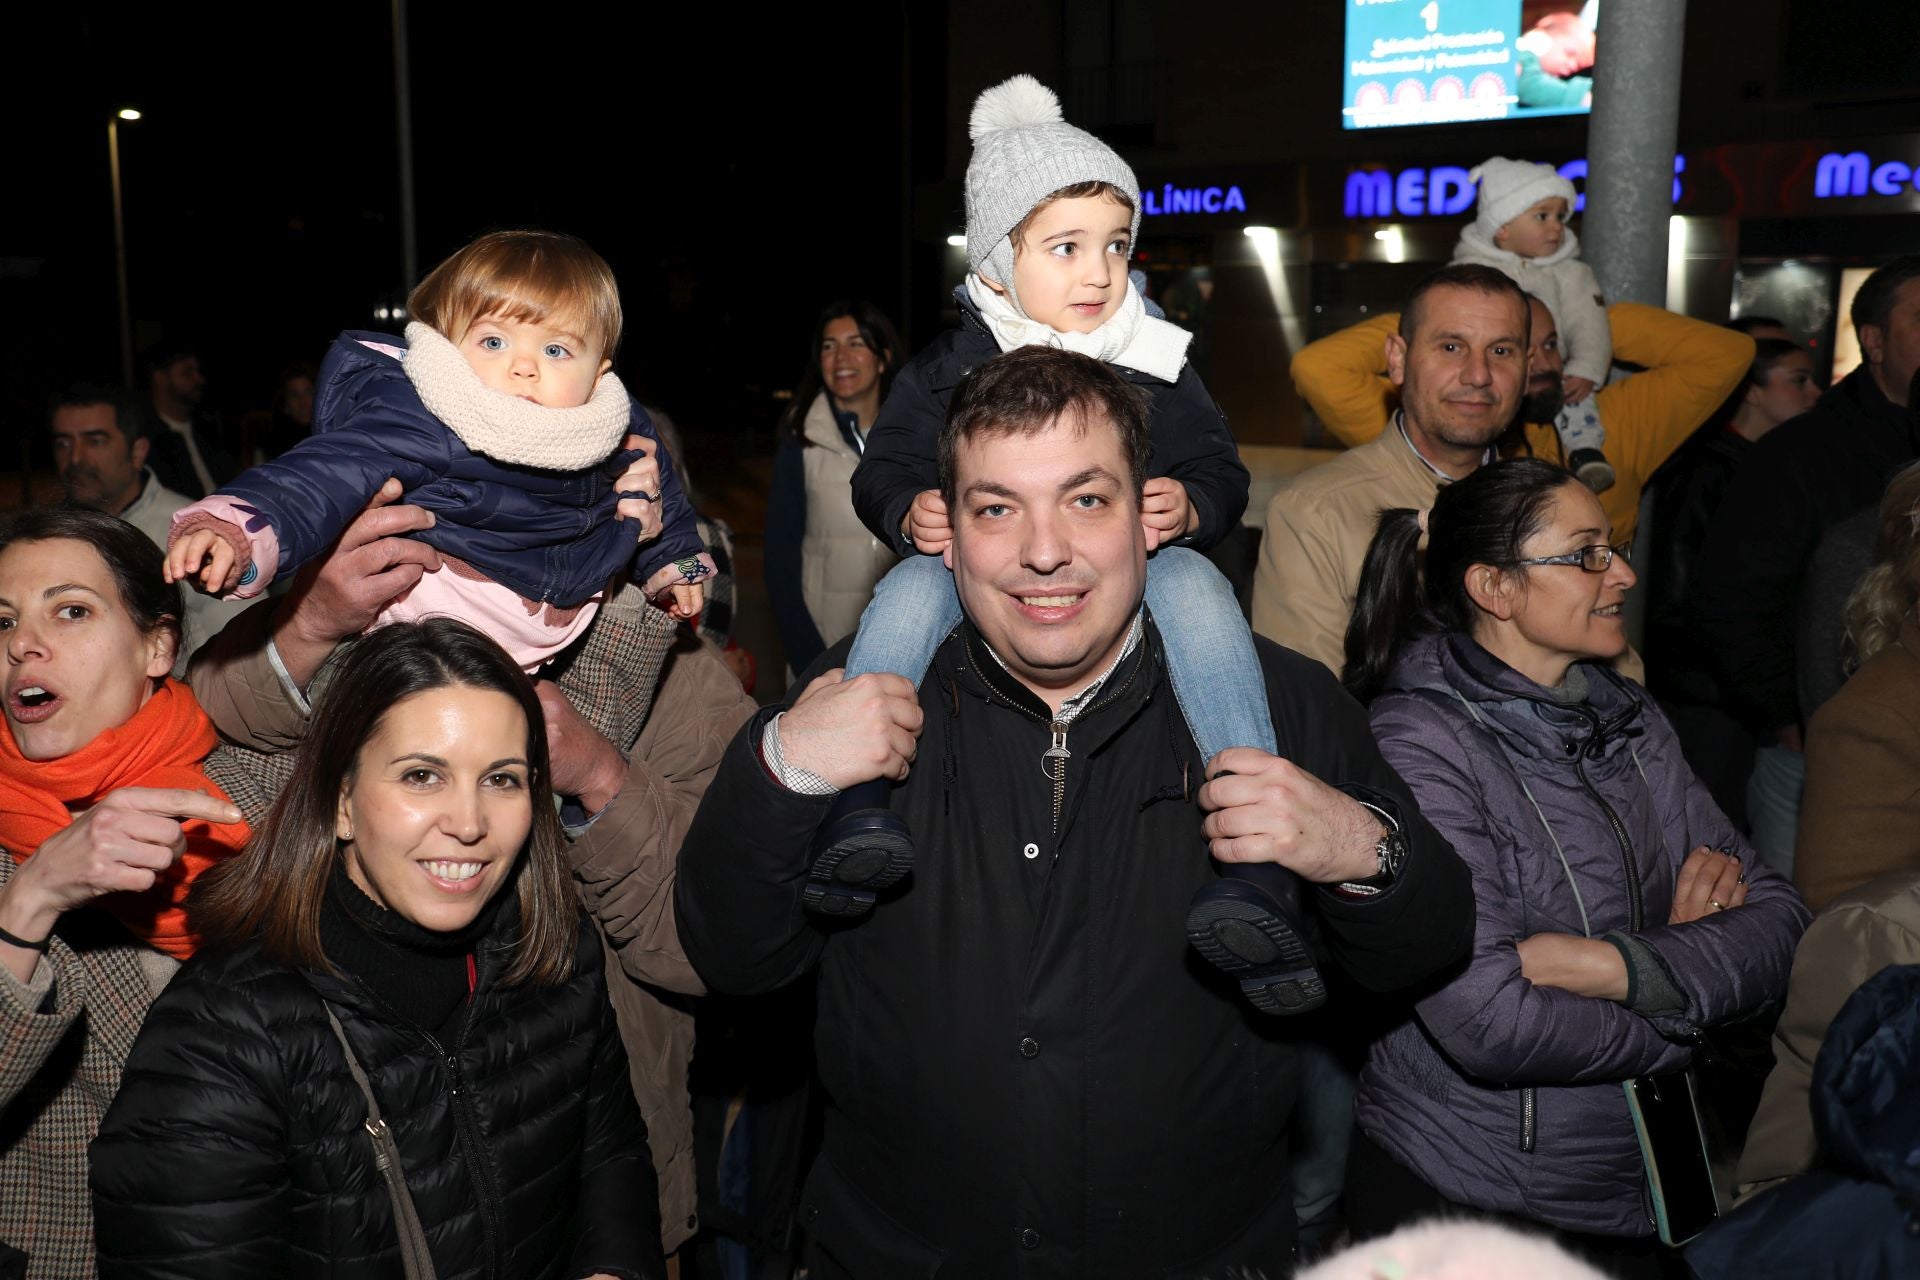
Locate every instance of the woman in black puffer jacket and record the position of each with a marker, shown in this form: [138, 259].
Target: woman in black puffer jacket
[410, 882]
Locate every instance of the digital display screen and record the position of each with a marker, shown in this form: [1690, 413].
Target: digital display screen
[1447, 61]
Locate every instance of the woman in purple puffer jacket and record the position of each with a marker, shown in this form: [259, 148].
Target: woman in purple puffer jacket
[1620, 912]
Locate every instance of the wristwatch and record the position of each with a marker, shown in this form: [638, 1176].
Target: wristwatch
[1390, 852]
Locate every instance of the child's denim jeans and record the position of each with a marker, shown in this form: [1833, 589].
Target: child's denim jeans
[1209, 648]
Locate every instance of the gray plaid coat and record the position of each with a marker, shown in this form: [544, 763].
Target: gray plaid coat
[63, 1039]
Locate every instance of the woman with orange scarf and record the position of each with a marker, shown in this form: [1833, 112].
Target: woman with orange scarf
[106, 817]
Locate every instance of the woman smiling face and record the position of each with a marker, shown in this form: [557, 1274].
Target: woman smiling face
[77, 664]
[439, 806]
[849, 368]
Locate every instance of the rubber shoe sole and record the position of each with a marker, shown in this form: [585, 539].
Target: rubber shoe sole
[1240, 932]
[868, 852]
[1594, 472]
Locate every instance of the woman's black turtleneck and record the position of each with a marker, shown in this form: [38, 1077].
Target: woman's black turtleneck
[420, 974]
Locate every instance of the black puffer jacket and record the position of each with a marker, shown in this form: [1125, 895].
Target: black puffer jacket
[1687, 492]
[236, 1146]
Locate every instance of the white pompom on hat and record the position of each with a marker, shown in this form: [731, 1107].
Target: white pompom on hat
[1508, 188]
[1023, 152]
[1442, 1249]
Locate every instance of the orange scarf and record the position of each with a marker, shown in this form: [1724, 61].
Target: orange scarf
[163, 745]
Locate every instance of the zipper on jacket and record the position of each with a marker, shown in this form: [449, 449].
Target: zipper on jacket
[1632, 869]
[1058, 754]
[482, 1166]
[467, 1133]
[1633, 899]
[466, 1129]
[1054, 761]
[1528, 1098]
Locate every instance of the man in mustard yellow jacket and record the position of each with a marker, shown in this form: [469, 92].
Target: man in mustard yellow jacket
[1449, 383]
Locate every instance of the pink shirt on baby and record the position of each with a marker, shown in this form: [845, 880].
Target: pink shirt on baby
[528, 638]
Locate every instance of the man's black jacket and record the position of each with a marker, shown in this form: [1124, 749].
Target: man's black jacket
[1028, 1071]
[1191, 440]
[1798, 481]
[1687, 493]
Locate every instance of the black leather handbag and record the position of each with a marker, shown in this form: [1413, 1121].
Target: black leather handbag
[1673, 1145]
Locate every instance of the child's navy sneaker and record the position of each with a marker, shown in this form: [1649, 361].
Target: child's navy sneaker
[862, 848]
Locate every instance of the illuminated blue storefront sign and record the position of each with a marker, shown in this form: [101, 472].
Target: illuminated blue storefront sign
[1444, 191]
[1780, 179]
[1841, 174]
[1172, 199]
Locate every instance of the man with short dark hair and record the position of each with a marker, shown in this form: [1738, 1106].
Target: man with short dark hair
[1026, 1073]
[102, 458]
[1803, 478]
[1459, 356]
[185, 454]
[1452, 355]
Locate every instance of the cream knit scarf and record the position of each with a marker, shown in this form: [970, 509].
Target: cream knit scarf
[507, 428]
[1130, 338]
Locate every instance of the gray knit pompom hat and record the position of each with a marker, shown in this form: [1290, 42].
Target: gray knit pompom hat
[1023, 152]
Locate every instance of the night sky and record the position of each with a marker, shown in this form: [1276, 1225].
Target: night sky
[737, 172]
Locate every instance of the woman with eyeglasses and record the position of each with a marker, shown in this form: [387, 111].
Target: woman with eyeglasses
[1619, 912]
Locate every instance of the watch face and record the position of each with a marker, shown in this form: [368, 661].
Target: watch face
[1393, 852]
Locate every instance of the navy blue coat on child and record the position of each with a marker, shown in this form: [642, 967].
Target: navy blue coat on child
[522, 494]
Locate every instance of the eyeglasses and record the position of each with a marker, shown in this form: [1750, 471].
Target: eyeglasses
[1597, 558]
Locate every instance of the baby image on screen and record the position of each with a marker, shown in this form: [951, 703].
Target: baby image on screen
[1554, 62]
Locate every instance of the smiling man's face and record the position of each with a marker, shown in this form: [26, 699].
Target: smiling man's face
[1461, 371]
[1048, 551]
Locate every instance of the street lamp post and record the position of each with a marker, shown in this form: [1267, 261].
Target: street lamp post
[403, 125]
[120, 242]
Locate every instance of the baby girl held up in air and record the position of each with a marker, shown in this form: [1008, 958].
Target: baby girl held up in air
[498, 414]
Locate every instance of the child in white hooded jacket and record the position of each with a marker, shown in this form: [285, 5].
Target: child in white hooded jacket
[1521, 230]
